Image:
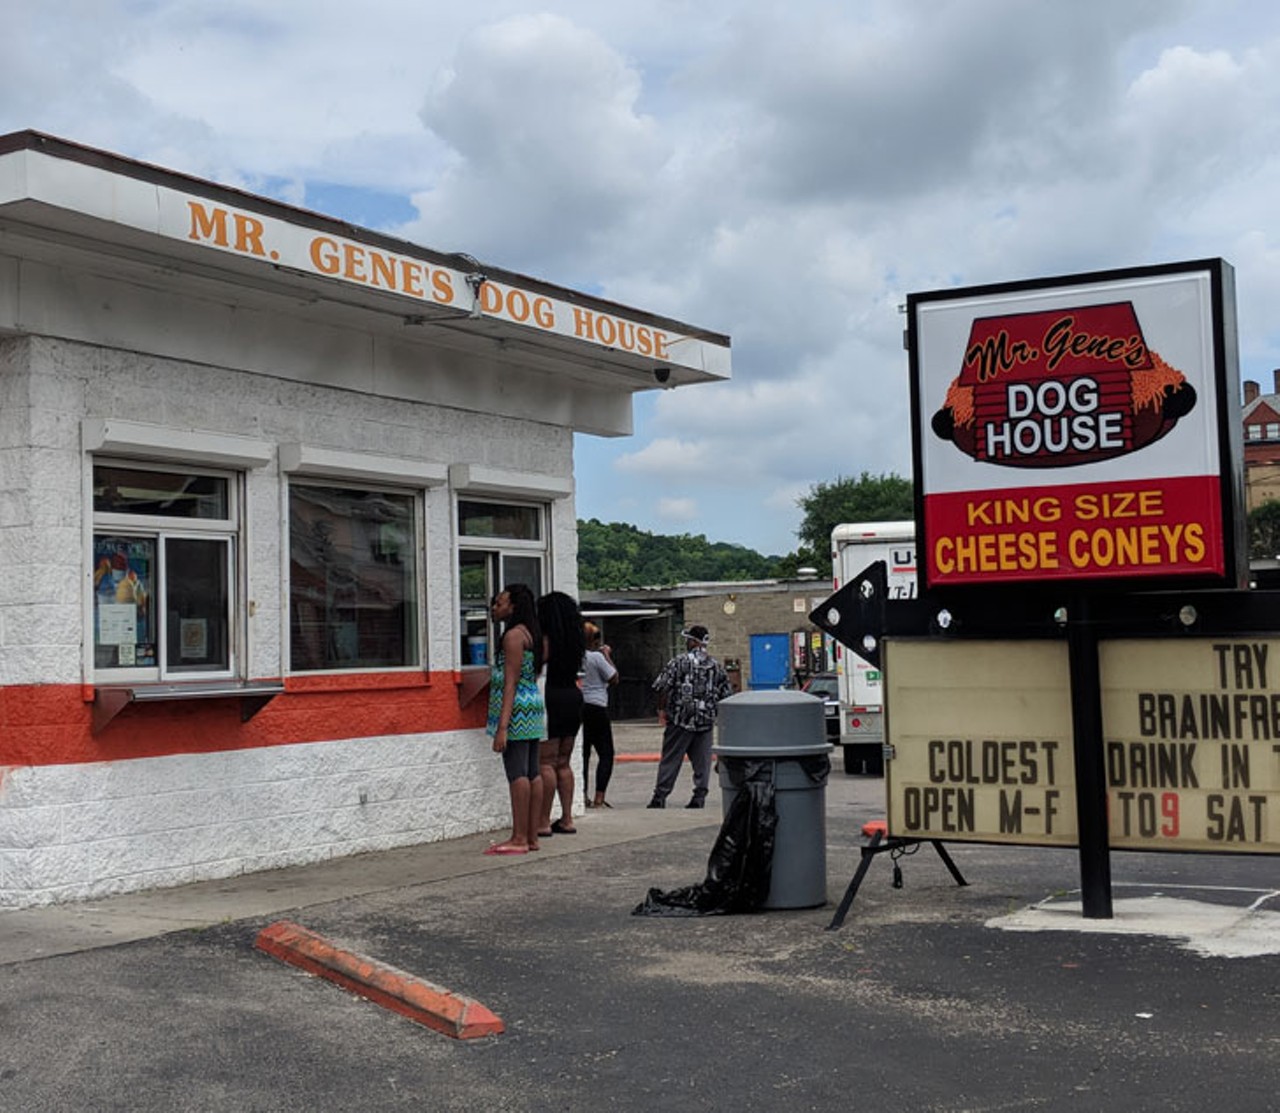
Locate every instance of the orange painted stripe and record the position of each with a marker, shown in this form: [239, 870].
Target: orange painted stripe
[50, 724]
[437, 1008]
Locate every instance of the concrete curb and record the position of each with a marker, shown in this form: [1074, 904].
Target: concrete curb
[437, 1008]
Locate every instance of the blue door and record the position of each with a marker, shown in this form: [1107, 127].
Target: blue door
[770, 661]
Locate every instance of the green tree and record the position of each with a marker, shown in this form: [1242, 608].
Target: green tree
[869, 498]
[617, 555]
[1264, 531]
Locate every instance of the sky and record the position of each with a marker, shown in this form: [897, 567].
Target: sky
[782, 171]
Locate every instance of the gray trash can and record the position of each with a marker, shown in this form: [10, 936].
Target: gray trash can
[781, 728]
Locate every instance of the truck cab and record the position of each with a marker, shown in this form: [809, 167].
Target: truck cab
[855, 546]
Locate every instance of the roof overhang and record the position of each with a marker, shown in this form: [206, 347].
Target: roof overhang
[69, 197]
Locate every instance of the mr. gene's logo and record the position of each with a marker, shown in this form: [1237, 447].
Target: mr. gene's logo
[1060, 388]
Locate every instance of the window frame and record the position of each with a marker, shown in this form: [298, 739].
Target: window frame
[159, 529]
[417, 553]
[495, 550]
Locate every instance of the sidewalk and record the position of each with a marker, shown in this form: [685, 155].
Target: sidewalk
[67, 928]
[64, 929]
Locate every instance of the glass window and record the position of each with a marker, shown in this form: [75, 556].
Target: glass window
[164, 558]
[353, 580]
[1255, 432]
[1273, 430]
[503, 545]
[493, 519]
[196, 603]
[164, 494]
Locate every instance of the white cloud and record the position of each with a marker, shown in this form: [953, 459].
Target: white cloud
[677, 511]
[551, 154]
[666, 458]
[785, 174]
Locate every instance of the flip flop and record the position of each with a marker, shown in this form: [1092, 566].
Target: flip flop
[560, 829]
[502, 848]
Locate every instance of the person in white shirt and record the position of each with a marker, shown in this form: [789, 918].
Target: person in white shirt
[598, 675]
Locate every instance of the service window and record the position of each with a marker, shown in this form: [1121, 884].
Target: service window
[164, 573]
[499, 543]
[353, 578]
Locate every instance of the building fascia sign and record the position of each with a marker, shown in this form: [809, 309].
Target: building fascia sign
[1078, 429]
[118, 191]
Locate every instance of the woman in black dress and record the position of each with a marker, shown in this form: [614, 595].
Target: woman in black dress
[564, 645]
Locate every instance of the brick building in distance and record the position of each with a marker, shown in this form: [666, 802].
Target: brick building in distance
[1261, 418]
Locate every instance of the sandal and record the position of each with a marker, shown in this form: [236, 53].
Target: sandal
[506, 848]
[560, 829]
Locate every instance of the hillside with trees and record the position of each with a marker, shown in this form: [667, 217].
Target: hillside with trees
[615, 555]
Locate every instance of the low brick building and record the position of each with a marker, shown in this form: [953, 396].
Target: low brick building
[760, 629]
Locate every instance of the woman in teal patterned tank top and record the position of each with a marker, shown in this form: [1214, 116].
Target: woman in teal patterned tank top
[516, 713]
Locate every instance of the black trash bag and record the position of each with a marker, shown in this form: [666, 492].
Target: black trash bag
[740, 868]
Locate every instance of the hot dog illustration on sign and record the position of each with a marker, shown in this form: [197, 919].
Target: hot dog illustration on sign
[1060, 388]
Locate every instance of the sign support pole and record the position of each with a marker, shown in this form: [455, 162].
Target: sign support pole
[1091, 784]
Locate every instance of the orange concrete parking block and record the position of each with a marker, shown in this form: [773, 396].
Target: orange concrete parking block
[437, 1008]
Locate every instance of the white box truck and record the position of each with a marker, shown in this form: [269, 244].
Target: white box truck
[855, 546]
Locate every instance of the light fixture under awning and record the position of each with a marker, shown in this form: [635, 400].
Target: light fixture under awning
[630, 612]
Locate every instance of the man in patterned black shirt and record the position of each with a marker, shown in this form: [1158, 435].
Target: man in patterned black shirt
[689, 687]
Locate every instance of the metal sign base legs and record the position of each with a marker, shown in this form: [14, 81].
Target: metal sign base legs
[897, 847]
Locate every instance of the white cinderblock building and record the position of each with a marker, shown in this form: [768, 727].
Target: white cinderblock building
[260, 472]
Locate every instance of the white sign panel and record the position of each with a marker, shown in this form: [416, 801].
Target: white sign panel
[1074, 429]
[981, 737]
[1192, 743]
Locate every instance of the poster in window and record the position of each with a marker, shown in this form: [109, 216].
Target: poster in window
[123, 581]
[118, 624]
[193, 634]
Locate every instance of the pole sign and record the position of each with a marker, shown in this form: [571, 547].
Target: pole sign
[1079, 429]
[1191, 732]
[982, 742]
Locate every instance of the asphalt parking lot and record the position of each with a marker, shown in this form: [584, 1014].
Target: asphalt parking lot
[992, 996]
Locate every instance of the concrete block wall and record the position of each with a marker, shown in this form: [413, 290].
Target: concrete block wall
[41, 570]
[769, 610]
[77, 831]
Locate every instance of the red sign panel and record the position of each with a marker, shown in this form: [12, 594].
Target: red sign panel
[1091, 531]
[1061, 388]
